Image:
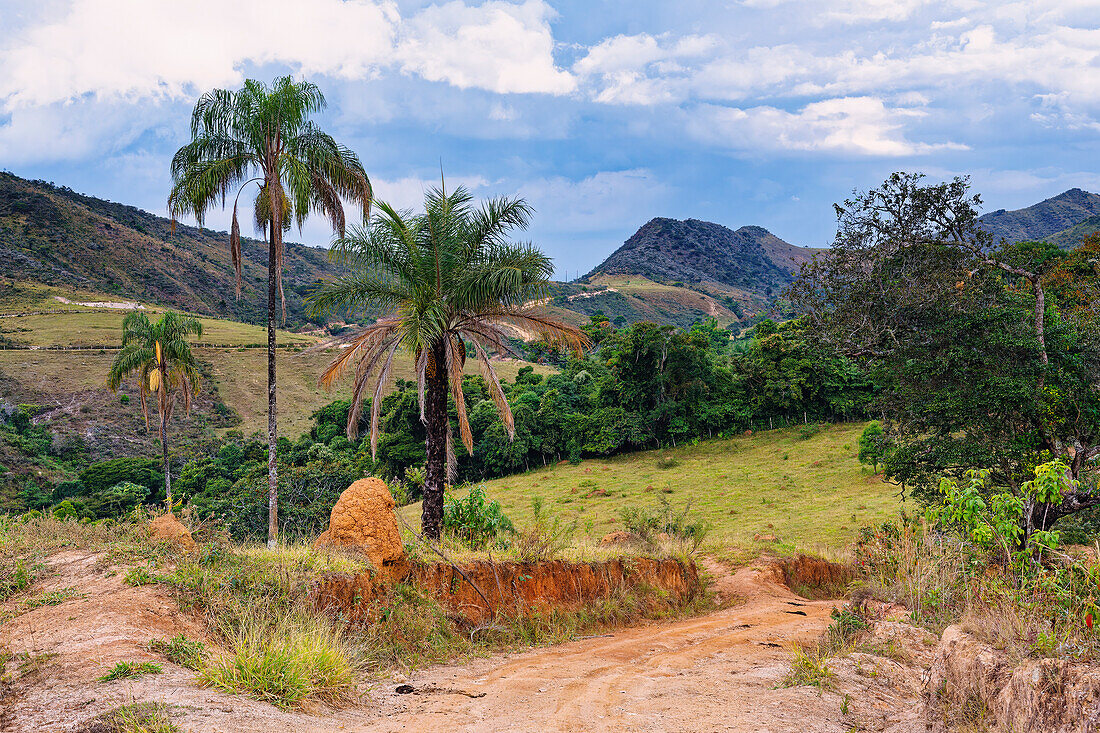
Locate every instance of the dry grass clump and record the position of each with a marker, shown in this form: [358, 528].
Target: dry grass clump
[288, 661]
[142, 717]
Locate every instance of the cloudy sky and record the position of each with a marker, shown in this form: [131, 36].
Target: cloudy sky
[602, 114]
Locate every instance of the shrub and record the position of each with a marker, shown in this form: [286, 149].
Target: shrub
[545, 539]
[808, 668]
[678, 524]
[809, 430]
[101, 476]
[473, 521]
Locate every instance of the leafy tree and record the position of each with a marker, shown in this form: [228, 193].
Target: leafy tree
[264, 135]
[977, 371]
[443, 278]
[873, 447]
[158, 353]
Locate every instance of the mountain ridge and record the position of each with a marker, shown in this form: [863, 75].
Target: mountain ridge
[1045, 220]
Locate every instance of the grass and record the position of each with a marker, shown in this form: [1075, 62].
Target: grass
[141, 717]
[809, 668]
[739, 487]
[298, 658]
[189, 653]
[51, 598]
[131, 670]
[239, 374]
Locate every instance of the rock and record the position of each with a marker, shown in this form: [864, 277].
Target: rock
[166, 528]
[364, 520]
[619, 537]
[764, 538]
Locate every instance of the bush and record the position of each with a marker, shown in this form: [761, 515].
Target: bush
[474, 522]
[545, 539]
[101, 476]
[678, 524]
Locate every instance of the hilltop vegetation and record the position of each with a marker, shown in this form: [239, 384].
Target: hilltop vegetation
[1049, 219]
[751, 262]
[54, 235]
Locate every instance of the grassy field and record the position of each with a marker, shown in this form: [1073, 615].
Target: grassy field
[87, 327]
[810, 493]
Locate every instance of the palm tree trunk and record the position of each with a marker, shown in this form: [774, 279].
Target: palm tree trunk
[435, 417]
[272, 428]
[164, 444]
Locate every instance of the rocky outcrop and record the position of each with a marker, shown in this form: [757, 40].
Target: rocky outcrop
[364, 520]
[1051, 695]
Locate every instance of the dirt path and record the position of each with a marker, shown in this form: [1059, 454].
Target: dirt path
[720, 672]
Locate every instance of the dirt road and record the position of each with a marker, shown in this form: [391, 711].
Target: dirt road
[720, 672]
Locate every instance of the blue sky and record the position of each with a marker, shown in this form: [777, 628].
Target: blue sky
[602, 114]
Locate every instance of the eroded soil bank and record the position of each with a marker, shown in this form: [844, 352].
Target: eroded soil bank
[478, 589]
[724, 671]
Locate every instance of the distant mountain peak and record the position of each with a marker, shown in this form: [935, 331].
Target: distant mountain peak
[1043, 220]
[750, 259]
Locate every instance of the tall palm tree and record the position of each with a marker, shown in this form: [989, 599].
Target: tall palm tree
[161, 357]
[263, 135]
[442, 278]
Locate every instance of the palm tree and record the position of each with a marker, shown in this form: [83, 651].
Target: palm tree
[442, 278]
[161, 357]
[264, 136]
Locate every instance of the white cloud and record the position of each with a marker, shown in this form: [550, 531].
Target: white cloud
[110, 49]
[601, 201]
[498, 46]
[853, 125]
[641, 69]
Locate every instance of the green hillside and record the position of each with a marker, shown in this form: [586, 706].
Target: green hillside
[811, 493]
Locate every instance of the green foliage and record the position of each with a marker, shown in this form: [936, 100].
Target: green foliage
[473, 521]
[99, 477]
[873, 445]
[129, 670]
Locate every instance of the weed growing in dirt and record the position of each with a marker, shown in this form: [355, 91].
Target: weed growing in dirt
[808, 668]
[139, 576]
[129, 670]
[181, 650]
[30, 664]
[649, 523]
[51, 598]
[141, 717]
[300, 658]
[846, 626]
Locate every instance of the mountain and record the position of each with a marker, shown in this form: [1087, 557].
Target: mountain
[750, 260]
[1070, 238]
[1045, 219]
[53, 235]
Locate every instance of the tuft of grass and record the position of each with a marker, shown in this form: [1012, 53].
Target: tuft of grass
[181, 650]
[847, 625]
[139, 576]
[140, 717]
[809, 668]
[130, 670]
[300, 659]
[51, 598]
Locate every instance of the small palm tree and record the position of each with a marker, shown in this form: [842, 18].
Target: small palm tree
[264, 136]
[442, 278]
[161, 357]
